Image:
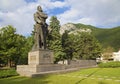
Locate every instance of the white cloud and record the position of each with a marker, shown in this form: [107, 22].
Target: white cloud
[10, 5]
[103, 13]
[47, 4]
[21, 18]
[19, 13]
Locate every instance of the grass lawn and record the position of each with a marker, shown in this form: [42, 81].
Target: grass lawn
[83, 76]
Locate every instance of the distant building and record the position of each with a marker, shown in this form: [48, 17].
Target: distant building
[116, 56]
[105, 57]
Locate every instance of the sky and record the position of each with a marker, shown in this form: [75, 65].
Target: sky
[99, 13]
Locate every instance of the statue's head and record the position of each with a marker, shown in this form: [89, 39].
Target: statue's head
[39, 8]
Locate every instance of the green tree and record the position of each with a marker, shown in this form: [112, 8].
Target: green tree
[11, 45]
[80, 46]
[90, 48]
[26, 48]
[68, 45]
[54, 24]
[107, 53]
[54, 39]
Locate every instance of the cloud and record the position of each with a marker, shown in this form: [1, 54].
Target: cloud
[100, 13]
[21, 18]
[20, 13]
[11, 5]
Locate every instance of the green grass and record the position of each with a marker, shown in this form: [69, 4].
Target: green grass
[7, 73]
[113, 64]
[83, 76]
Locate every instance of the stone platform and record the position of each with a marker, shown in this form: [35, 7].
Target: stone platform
[26, 71]
[39, 61]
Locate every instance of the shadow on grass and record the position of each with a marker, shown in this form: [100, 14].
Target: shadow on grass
[25, 80]
[88, 77]
[101, 82]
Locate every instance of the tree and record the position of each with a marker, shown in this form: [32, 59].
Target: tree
[68, 45]
[107, 53]
[26, 48]
[90, 47]
[54, 39]
[10, 45]
[80, 46]
[54, 24]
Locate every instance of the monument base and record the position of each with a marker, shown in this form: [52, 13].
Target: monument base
[28, 70]
[39, 61]
[40, 56]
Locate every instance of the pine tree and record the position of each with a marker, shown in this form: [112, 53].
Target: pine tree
[54, 39]
[80, 46]
[88, 47]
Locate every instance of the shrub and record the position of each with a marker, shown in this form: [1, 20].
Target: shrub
[8, 73]
[109, 65]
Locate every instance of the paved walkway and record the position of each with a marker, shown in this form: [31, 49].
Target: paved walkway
[117, 79]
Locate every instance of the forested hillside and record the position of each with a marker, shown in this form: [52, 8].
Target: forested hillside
[106, 36]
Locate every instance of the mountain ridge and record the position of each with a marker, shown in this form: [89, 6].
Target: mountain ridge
[106, 36]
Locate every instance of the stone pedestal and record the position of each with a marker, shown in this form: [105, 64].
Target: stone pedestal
[39, 61]
[39, 57]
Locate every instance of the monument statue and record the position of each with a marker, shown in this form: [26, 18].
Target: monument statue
[40, 29]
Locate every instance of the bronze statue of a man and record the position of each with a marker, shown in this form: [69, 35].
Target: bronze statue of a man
[40, 29]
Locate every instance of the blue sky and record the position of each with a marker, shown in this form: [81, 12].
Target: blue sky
[99, 13]
[29, 1]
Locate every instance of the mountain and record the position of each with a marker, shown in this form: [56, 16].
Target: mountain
[68, 27]
[106, 36]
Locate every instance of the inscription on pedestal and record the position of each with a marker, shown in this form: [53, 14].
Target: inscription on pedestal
[32, 58]
[40, 57]
[46, 56]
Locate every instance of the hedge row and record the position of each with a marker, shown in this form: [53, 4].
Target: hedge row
[109, 65]
[8, 73]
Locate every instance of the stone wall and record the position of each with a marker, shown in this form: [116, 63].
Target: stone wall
[81, 63]
[29, 70]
